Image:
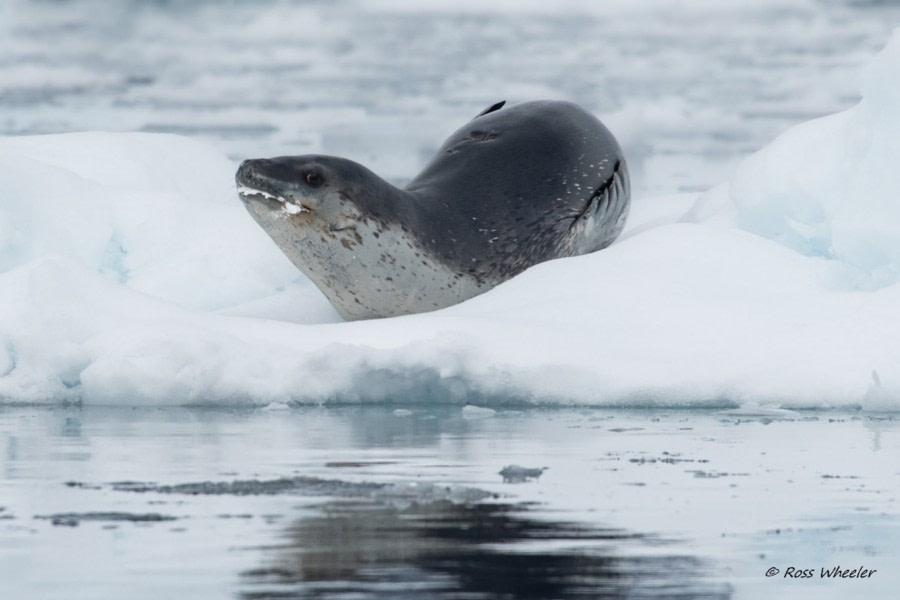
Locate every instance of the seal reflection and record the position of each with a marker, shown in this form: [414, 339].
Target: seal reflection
[366, 550]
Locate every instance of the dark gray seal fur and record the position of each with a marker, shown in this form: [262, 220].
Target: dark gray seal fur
[514, 187]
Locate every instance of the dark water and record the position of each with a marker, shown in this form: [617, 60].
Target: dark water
[449, 550]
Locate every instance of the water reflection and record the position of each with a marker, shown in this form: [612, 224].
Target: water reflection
[360, 549]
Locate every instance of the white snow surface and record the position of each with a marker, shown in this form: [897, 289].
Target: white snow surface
[130, 273]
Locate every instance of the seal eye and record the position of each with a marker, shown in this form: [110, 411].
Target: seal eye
[313, 178]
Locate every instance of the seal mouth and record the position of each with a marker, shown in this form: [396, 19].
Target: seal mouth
[248, 193]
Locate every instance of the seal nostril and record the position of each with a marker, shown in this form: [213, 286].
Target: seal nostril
[252, 171]
[245, 170]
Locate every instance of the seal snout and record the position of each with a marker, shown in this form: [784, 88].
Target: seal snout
[261, 180]
[252, 174]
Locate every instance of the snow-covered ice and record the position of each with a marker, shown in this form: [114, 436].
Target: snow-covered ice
[131, 274]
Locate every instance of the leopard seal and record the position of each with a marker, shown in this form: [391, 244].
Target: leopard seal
[516, 186]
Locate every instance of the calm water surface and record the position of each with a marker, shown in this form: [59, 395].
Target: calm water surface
[381, 502]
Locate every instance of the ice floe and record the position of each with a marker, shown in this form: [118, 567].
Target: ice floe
[131, 274]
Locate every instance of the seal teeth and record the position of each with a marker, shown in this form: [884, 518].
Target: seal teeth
[289, 207]
[243, 190]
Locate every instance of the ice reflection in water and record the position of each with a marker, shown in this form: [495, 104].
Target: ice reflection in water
[446, 550]
[354, 502]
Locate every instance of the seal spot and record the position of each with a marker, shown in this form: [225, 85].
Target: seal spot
[482, 136]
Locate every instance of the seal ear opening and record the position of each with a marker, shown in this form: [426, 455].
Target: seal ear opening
[491, 108]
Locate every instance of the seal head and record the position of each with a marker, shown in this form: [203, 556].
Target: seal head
[514, 187]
